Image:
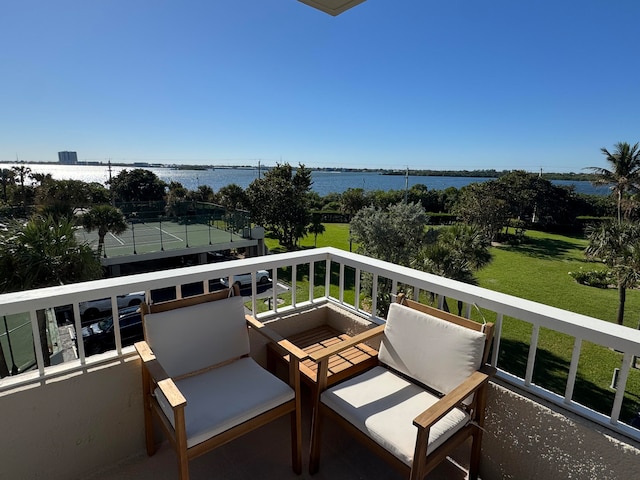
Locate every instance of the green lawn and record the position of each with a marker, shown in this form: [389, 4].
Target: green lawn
[336, 235]
[537, 270]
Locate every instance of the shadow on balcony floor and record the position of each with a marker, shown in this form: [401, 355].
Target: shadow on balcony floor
[262, 455]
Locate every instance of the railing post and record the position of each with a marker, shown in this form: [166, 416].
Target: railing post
[621, 387]
[274, 294]
[341, 283]
[357, 292]
[116, 323]
[327, 278]
[573, 370]
[497, 334]
[374, 296]
[312, 275]
[531, 359]
[35, 330]
[294, 279]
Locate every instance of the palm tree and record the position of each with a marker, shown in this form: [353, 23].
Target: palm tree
[6, 178]
[22, 173]
[624, 175]
[457, 252]
[316, 228]
[615, 243]
[105, 219]
[44, 252]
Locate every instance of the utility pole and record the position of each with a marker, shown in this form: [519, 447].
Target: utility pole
[113, 200]
[406, 186]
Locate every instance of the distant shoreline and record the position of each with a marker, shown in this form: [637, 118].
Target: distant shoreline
[481, 173]
[584, 177]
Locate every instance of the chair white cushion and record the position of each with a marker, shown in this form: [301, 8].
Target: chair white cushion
[188, 339]
[437, 353]
[383, 405]
[226, 396]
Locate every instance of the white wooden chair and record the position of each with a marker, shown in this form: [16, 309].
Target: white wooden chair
[201, 383]
[426, 396]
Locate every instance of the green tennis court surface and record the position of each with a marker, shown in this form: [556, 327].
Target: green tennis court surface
[151, 237]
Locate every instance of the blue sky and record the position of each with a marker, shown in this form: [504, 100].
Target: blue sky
[455, 84]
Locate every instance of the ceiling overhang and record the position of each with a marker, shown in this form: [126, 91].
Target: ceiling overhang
[332, 7]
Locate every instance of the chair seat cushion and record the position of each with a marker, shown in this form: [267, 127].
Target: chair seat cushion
[383, 405]
[226, 396]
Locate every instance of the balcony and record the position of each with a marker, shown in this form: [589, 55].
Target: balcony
[73, 415]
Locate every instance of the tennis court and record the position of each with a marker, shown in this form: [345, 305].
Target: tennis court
[147, 237]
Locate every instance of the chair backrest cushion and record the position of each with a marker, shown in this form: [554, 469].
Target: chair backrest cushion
[437, 353]
[188, 339]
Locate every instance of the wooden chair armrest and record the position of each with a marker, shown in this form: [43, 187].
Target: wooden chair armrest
[172, 394]
[276, 338]
[324, 353]
[144, 350]
[447, 403]
[156, 371]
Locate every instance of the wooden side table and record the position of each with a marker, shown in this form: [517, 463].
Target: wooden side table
[341, 366]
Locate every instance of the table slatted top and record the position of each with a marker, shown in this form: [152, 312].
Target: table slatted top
[341, 365]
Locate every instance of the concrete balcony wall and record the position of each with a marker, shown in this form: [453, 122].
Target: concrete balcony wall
[67, 421]
[88, 421]
[74, 425]
[525, 438]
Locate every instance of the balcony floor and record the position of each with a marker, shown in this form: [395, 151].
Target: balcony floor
[257, 455]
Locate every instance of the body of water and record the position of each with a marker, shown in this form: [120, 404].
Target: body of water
[323, 182]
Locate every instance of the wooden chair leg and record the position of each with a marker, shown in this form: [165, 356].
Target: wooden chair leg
[296, 442]
[316, 421]
[476, 446]
[474, 463]
[316, 438]
[148, 414]
[181, 444]
[420, 454]
[296, 417]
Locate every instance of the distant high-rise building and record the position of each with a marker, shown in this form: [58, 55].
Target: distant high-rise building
[68, 158]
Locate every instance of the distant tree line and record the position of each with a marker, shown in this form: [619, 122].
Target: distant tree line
[489, 173]
[282, 201]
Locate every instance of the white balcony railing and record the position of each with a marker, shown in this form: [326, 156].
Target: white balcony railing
[349, 269]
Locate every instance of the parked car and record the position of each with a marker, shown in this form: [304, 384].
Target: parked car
[100, 337]
[94, 308]
[244, 279]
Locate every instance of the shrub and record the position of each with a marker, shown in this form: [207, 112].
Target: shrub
[594, 278]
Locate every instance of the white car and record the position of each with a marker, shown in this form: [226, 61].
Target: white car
[94, 308]
[244, 279]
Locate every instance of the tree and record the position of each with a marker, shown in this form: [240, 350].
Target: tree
[176, 200]
[395, 234]
[6, 179]
[62, 197]
[137, 185]
[480, 206]
[22, 172]
[457, 252]
[352, 201]
[232, 197]
[41, 253]
[615, 243]
[204, 193]
[279, 201]
[316, 228]
[104, 219]
[624, 173]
